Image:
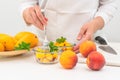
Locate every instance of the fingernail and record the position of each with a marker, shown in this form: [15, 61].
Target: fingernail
[78, 38]
[46, 19]
[74, 48]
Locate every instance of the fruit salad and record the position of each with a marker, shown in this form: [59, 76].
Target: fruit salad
[50, 53]
[45, 56]
[63, 44]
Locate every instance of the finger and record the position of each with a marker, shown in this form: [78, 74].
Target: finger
[36, 21]
[88, 36]
[77, 51]
[29, 18]
[39, 15]
[75, 47]
[78, 44]
[81, 33]
[46, 19]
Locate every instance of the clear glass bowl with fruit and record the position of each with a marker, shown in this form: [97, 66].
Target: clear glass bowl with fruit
[63, 44]
[45, 55]
[50, 54]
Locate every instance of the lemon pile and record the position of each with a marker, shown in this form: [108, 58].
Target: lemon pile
[8, 43]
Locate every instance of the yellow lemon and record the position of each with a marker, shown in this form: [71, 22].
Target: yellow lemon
[7, 41]
[27, 38]
[19, 35]
[1, 47]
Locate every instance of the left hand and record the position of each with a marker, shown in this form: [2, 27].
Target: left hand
[87, 31]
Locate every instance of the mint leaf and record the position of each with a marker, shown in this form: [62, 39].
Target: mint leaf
[23, 46]
[61, 39]
[53, 47]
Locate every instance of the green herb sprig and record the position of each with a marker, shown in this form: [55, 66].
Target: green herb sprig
[61, 39]
[23, 46]
[53, 47]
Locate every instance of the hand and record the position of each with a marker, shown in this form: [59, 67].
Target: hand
[87, 31]
[33, 15]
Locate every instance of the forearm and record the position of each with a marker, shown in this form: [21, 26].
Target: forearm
[24, 15]
[99, 22]
[106, 10]
[25, 4]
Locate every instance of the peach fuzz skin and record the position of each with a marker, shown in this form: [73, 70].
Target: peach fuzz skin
[68, 59]
[86, 47]
[95, 61]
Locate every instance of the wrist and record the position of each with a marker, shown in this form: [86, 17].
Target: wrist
[24, 17]
[99, 22]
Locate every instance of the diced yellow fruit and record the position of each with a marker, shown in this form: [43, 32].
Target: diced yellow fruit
[69, 48]
[61, 44]
[64, 48]
[49, 56]
[56, 44]
[45, 60]
[67, 44]
[39, 50]
[41, 60]
[40, 55]
[55, 55]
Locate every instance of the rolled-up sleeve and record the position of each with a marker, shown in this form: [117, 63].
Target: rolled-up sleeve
[26, 4]
[106, 10]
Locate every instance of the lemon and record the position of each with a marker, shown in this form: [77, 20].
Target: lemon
[1, 47]
[27, 37]
[7, 41]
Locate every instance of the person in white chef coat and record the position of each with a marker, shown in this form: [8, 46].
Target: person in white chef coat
[77, 20]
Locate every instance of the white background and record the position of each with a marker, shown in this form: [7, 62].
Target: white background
[11, 22]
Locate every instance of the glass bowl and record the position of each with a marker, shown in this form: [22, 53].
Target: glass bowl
[64, 46]
[44, 56]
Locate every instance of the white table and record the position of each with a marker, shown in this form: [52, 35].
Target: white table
[25, 67]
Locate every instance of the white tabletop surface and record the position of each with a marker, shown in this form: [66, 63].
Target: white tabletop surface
[25, 67]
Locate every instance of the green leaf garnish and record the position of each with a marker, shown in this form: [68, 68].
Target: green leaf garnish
[53, 47]
[23, 46]
[61, 39]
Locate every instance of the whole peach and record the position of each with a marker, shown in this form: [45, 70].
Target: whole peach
[86, 47]
[68, 59]
[95, 60]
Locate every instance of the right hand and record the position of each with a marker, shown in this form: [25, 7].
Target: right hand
[33, 15]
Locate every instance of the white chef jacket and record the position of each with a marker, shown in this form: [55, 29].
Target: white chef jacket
[66, 17]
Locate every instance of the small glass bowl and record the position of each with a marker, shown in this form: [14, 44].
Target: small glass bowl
[64, 48]
[44, 56]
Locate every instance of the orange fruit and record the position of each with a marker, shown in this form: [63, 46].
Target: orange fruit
[86, 47]
[68, 59]
[95, 61]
